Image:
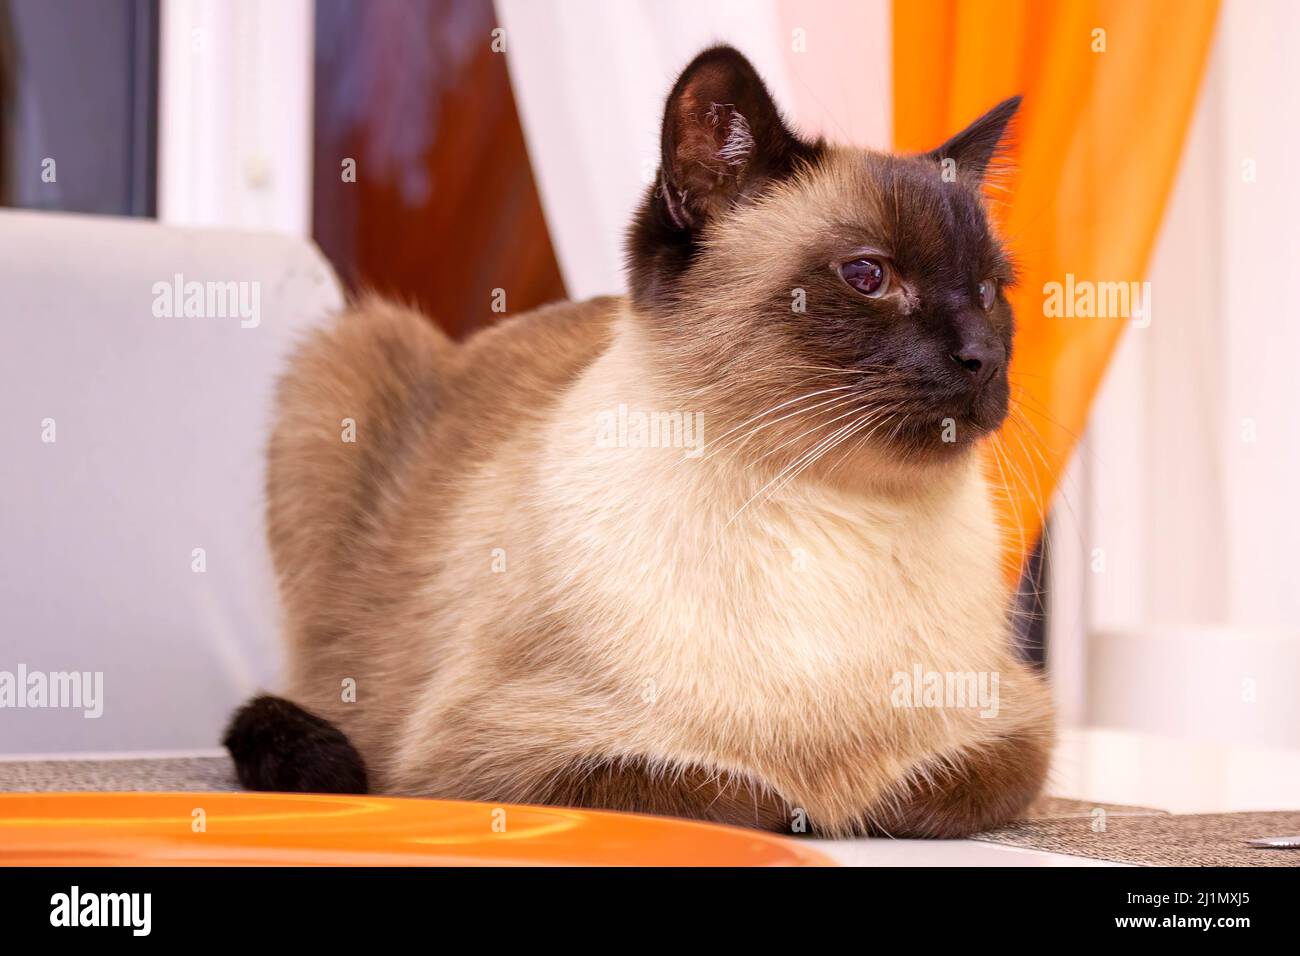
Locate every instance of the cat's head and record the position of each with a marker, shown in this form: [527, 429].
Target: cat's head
[848, 298]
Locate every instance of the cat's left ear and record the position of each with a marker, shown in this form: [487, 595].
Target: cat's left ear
[723, 138]
[974, 147]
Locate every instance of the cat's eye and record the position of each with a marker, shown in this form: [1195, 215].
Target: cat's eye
[867, 275]
[988, 293]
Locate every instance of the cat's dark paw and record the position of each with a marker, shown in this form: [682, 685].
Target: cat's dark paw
[278, 746]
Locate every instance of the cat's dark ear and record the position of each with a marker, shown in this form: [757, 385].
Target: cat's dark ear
[723, 138]
[974, 147]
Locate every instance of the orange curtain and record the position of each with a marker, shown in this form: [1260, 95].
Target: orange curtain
[1109, 88]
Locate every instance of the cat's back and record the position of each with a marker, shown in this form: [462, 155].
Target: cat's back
[511, 375]
[380, 413]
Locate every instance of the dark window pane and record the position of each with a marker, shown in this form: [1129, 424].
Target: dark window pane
[78, 105]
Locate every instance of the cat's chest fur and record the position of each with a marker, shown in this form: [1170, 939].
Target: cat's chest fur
[699, 585]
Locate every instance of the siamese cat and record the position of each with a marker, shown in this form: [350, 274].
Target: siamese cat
[500, 588]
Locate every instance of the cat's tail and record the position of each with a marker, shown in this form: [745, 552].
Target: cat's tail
[276, 745]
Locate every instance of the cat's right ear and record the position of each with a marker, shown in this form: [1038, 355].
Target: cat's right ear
[975, 147]
[723, 138]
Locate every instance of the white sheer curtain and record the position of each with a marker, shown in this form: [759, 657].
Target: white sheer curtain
[590, 78]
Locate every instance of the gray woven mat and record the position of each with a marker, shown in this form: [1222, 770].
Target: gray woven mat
[152, 773]
[1150, 837]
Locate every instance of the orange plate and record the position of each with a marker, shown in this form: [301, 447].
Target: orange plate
[256, 829]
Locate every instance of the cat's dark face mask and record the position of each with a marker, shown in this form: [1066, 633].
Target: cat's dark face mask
[907, 285]
[863, 292]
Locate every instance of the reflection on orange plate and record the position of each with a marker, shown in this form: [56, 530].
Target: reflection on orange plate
[256, 829]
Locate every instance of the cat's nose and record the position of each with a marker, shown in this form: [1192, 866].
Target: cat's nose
[982, 358]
